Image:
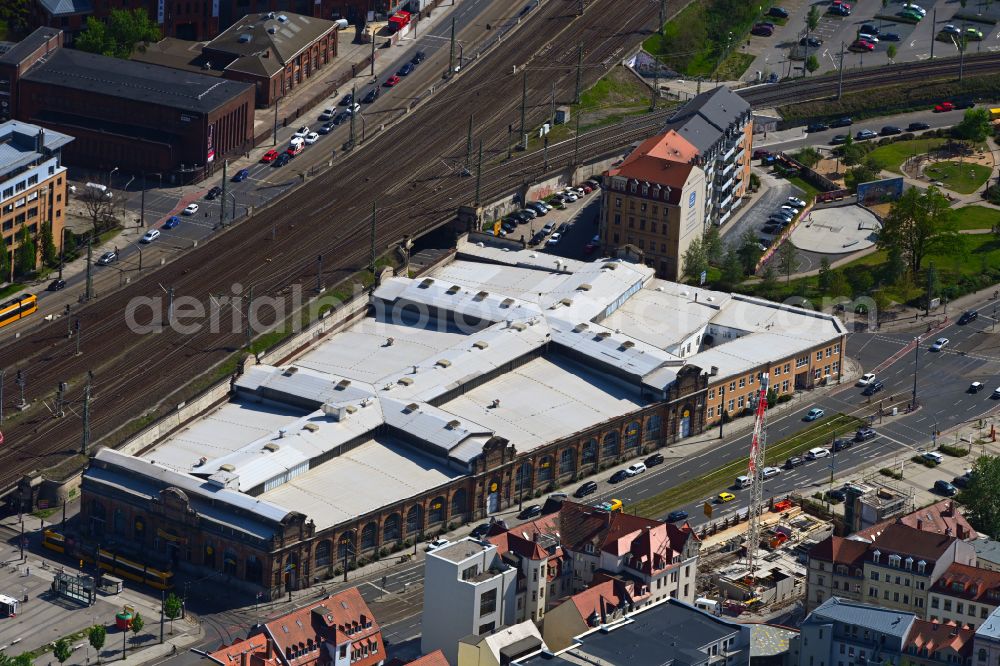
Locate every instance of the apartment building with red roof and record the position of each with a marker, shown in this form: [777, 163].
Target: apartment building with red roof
[965, 595]
[940, 518]
[932, 643]
[435, 658]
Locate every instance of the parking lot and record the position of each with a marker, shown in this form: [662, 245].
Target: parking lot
[781, 53]
[576, 226]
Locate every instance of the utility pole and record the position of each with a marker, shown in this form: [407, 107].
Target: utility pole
[840, 74]
[933, 31]
[663, 15]
[222, 198]
[552, 105]
[372, 261]
[916, 368]
[545, 152]
[576, 141]
[21, 382]
[89, 291]
[163, 594]
[319, 274]
[274, 132]
[249, 327]
[961, 57]
[354, 104]
[170, 305]
[722, 407]
[479, 173]
[373, 54]
[79, 333]
[451, 53]
[468, 143]
[86, 414]
[60, 397]
[524, 103]
[656, 83]
[579, 75]
[142, 206]
[3, 374]
[510, 139]
[62, 251]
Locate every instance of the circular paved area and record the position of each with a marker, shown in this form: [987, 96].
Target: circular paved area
[836, 230]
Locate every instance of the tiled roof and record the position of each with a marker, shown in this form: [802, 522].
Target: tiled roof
[254, 647]
[937, 518]
[839, 550]
[280, 36]
[934, 636]
[602, 599]
[435, 658]
[664, 159]
[901, 539]
[972, 583]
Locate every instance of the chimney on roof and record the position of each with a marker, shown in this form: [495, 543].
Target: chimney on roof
[947, 531]
[268, 652]
[920, 523]
[243, 658]
[534, 536]
[960, 530]
[950, 508]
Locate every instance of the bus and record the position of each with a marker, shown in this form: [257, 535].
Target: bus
[114, 563]
[54, 541]
[16, 308]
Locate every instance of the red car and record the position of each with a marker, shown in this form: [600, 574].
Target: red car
[862, 45]
[269, 156]
[391, 81]
[944, 106]
[589, 248]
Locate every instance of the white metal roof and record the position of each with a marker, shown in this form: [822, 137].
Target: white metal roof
[434, 426]
[515, 281]
[663, 315]
[526, 258]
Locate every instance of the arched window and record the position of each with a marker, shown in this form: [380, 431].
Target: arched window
[208, 556]
[323, 551]
[345, 545]
[545, 469]
[459, 503]
[369, 534]
[252, 571]
[588, 454]
[415, 519]
[653, 427]
[229, 562]
[139, 529]
[525, 478]
[436, 513]
[610, 447]
[390, 530]
[567, 462]
[119, 521]
[632, 432]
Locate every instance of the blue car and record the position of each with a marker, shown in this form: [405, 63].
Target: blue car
[674, 516]
[406, 69]
[241, 175]
[814, 414]
[172, 222]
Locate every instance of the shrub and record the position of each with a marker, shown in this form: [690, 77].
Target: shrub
[953, 451]
[892, 474]
[923, 461]
[336, 572]
[784, 397]
[383, 552]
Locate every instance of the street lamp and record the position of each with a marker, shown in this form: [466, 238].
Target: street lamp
[110, 173]
[274, 133]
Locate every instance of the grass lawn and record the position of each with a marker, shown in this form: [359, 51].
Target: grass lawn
[12, 288]
[892, 156]
[620, 88]
[733, 67]
[809, 190]
[962, 178]
[977, 217]
[818, 434]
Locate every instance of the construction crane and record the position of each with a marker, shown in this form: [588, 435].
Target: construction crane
[756, 467]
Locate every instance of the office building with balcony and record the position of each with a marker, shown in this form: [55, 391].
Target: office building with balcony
[468, 590]
[32, 182]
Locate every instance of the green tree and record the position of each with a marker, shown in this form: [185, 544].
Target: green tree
[860, 281]
[96, 635]
[812, 22]
[768, 281]
[825, 277]
[788, 259]
[712, 242]
[62, 650]
[891, 51]
[838, 284]
[137, 625]
[808, 156]
[918, 224]
[732, 268]
[852, 152]
[14, 13]
[812, 63]
[933, 284]
[980, 497]
[4, 265]
[26, 254]
[749, 252]
[695, 260]
[172, 609]
[867, 171]
[772, 397]
[50, 255]
[119, 35]
[975, 126]
[894, 267]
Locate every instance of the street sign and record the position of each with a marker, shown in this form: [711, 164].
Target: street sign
[708, 509]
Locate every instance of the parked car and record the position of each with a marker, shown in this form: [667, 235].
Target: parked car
[391, 81]
[636, 468]
[933, 457]
[842, 443]
[770, 229]
[537, 238]
[312, 138]
[861, 45]
[869, 29]
[371, 96]
[762, 31]
[346, 100]
[530, 512]
[968, 316]
[554, 239]
[842, 122]
[213, 193]
[418, 57]
[327, 114]
[654, 460]
[327, 127]
[873, 388]
[817, 452]
[191, 209]
[480, 531]
[437, 543]
[150, 236]
[770, 472]
[778, 12]
[269, 156]
[283, 159]
[725, 497]
[866, 379]
[107, 258]
[817, 127]
[864, 434]
[950, 29]
[940, 344]
[56, 285]
[241, 175]
[944, 107]
[889, 37]
[588, 488]
[674, 516]
[945, 488]
[839, 10]
[917, 127]
[794, 462]
[811, 42]
[814, 414]
[996, 394]
[976, 387]
[619, 476]
[839, 139]
[172, 222]
[798, 203]
[973, 34]
[405, 70]
[890, 130]
[909, 6]
[836, 495]
[301, 132]
[911, 15]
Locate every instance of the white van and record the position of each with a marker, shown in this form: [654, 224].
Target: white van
[817, 452]
[934, 457]
[742, 482]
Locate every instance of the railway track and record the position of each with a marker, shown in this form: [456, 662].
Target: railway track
[329, 215]
[819, 87]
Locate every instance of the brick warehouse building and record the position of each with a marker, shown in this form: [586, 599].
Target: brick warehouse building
[130, 115]
[400, 425]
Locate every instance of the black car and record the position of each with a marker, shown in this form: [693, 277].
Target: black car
[794, 461]
[889, 37]
[619, 476]
[654, 460]
[406, 69]
[530, 512]
[371, 96]
[916, 127]
[836, 495]
[967, 316]
[213, 193]
[480, 531]
[778, 12]
[589, 488]
[873, 388]
[418, 57]
[817, 127]
[841, 443]
[282, 160]
[674, 516]
[868, 29]
[964, 104]
[56, 285]
[508, 226]
[865, 434]
[348, 99]
[537, 238]
[839, 139]
[340, 118]
[890, 130]
[327, 128]
[841, 122]
[812, 42]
